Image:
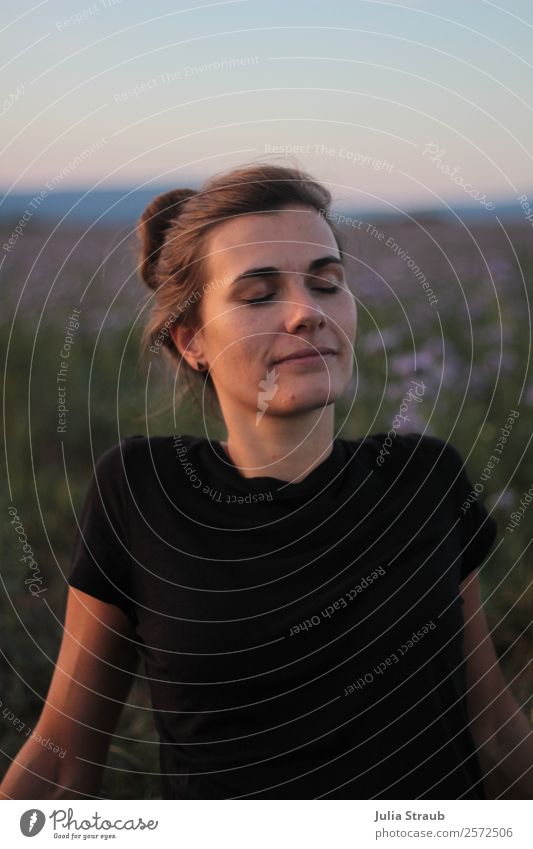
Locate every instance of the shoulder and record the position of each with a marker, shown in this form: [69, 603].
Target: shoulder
[430, 448]
[401, 445]
[137, 455]
[110, 464]
[389, 452]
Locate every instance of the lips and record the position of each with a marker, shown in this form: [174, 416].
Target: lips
[301, 353]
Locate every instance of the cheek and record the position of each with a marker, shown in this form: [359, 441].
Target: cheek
[237, 338]
[345, 317]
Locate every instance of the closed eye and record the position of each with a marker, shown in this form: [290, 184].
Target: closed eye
[265, 298]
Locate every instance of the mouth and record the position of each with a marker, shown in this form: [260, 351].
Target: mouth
[304, 356]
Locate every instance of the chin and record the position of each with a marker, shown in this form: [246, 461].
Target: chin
[302, 400]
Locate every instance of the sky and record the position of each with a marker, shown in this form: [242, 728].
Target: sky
[392, 104]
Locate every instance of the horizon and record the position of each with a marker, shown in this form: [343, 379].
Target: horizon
[118, 204]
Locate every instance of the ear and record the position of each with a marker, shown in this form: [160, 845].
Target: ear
[189, 343]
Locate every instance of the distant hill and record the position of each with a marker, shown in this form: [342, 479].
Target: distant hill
[126, 205]
[114, 206]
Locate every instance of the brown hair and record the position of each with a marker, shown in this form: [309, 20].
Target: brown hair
[174, 231]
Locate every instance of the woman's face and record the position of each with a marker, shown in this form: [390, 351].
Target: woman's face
[275, 288]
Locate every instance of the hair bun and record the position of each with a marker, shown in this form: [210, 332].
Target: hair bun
[154, 223]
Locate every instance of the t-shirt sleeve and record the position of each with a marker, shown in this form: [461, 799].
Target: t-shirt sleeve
[100, 563]
[476, 527]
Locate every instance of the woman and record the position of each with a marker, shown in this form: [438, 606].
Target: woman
[299, 600]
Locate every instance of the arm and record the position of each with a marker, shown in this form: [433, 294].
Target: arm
[501, 732]
[91, 680]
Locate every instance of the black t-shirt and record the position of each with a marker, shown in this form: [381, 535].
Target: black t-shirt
[300, 640]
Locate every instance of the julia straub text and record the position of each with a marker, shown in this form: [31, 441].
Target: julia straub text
[408, 815]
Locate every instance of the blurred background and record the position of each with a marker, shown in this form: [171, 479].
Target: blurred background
[418, 118]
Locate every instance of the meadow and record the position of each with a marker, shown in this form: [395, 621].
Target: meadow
[470, 346]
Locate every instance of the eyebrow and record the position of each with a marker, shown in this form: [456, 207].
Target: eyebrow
[270, 269]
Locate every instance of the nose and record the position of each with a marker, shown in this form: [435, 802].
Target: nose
[301, 309]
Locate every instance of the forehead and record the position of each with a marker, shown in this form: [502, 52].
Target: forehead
[287, 238]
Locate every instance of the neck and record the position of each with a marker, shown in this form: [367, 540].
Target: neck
[287, 448]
